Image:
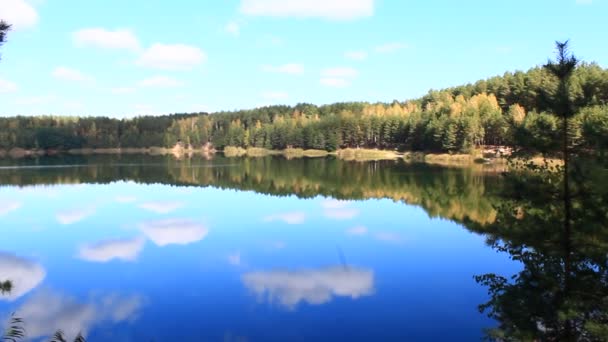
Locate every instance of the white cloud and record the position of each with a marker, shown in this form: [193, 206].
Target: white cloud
[235, 259]
[275, 245]
[160, 81]
[18, 13]
[344, 72]
[334, 82]
[125, 199]
[275, 95]
[326, 9]
[174, 231]
[172, 57]
[35, 100]
[357, 231]
[106, 39]
[390, 47]
[504, 49]
[341, 214]
[74, 105]
[24, 274]
[69, 74]
[8, 206]
[7, 86]
[584, 2]
[314, 286]
[356, 55]
[289, 68]
[104, 251]
[289, 218]
[274, 40]
[46, 312]
[161, 207]
[338, 77]
[338, 210]
[334, 204]
[389, 237]
[233, 28]
[75, 215]
[122, 90]
[144, 109]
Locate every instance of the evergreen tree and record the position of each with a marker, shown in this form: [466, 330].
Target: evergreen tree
[4, 28]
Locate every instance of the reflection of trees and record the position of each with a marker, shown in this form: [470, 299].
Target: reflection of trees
[6, 286]
[46, 311]
[562, 292]
[24, 275]
[453, 193]
[553, 220]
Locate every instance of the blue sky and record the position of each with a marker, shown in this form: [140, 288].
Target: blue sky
[124, 58]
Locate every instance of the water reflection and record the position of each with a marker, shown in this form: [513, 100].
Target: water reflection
[313, 286]
[459, 194]
[139, 208]
[289, 218]
[72, 216]
[8, 206]
[161, 207]
[562, 292]
[174, 231]
[357, 231]
[47, 311]
[24, 274]
[234, 259]
[125, 199]
[104, 251]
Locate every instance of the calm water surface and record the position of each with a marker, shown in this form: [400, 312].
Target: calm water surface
[137, 248]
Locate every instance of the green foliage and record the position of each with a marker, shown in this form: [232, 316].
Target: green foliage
[515, 109]
[552, 219]
[4, 28]
[560, 294]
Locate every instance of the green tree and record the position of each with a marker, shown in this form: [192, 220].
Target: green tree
[4, 28]
[552, 219]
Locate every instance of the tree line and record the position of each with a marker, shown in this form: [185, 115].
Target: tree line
[513, 110]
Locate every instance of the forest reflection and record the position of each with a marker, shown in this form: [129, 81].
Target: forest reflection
[460, 194]
[562, 292]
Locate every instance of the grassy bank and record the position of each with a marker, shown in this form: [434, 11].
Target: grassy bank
[16, 153]
[231, 151]
[349, 154]
[360, 154]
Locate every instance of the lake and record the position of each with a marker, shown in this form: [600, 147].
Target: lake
[152, 248]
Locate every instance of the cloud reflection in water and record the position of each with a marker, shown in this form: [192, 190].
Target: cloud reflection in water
[8, 206]
[289, 218]
[103, 251]
[174, 231]
[313, 286]
[24, 274]
[46, 312]
[74, 215]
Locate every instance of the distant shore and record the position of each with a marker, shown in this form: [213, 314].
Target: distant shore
[348, 154]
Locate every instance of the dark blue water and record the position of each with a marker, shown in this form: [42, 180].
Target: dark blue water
[120, 258]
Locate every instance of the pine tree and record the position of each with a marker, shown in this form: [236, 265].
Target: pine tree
[4, 28]
[449, 137]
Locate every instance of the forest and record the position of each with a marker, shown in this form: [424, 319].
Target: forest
[508, 110]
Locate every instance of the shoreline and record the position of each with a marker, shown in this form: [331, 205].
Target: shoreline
[347, 154]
